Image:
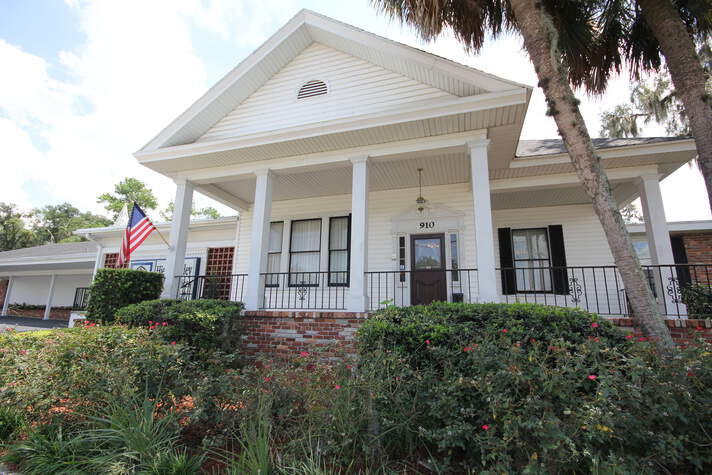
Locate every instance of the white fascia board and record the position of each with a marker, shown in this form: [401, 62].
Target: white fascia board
[686, 145]
[523, 183]
[440, 108]
[675, 226]
[230, 172]
[58, 273]
[67, 259]
[220, 223]
[222, 86]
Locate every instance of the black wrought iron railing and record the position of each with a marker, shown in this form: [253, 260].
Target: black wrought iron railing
[600, 289]
[305, 290]
[403, 288]
[222, 287]
[81, 298]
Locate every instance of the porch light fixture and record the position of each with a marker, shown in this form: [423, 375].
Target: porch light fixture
[420, 201]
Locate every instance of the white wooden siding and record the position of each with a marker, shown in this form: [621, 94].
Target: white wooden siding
[584, 240]
[355, 87]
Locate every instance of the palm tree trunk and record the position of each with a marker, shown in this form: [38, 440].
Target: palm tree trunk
[687, 76]
[540, 41]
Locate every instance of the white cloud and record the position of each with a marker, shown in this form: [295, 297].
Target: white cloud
[20, 160]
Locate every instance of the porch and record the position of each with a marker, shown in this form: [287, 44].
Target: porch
[446, 218]
[596, 289]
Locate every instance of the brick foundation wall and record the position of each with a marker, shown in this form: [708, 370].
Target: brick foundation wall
[286, 334]
[683, 332]
[61, 313]
[698, 247]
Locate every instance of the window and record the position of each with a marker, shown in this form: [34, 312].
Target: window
[304, 251]
[531, 260]
[401, 257]
[454, 258]
[311, 89]
[274, 253]
[339, 240]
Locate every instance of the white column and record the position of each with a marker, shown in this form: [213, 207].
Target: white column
[484, 232]
[261, 212]
[358, 298]
[655, 221]
[50, 297]
[179, 236]
[8, 292]
[99, 260]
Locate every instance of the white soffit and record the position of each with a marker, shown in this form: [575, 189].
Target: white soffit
[300, 32]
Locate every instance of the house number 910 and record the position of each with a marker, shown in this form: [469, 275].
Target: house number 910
[427, 224]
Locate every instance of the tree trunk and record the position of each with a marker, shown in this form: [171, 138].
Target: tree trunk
[687, 76]
[540, 41]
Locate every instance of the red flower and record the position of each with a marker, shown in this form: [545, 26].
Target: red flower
[150, 322]
[23, 352]
[336, 386]
[427, 342]
[642, 338]
[173, 343]
[485, 427]
[348, 366]
[304, 354]
[9, 330]
[398, 378]
[699, 328]
[267, 380]
[594, 325]
[165, 324]
[504, 330]
[466, 349]
[592, 377]
[596, 339]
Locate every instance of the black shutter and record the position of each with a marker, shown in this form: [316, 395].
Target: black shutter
[558, 260]
[506, 262]
[680, 256]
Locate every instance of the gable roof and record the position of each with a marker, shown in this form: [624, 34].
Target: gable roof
[301, 31]
[61, 250]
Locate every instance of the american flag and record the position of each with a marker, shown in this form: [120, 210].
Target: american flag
[137, 230]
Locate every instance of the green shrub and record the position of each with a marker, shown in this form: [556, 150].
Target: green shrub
[12, 420]
[204, 324]
[527, 388]
[698, 298]
[112, 289]
[57, 373]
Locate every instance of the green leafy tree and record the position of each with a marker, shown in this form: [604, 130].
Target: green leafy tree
[13, 231]
[127, 192]
[559, 37]
[654, 100]
[205, 213]
[631, 214]
[57, 223]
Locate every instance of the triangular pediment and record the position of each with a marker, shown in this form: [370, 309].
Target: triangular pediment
[224, 111]
[354, 87]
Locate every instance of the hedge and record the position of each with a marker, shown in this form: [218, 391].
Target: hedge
[204, 324]
[112, 289]
[500, 388]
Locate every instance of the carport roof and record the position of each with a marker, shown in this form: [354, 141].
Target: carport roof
[69, 249]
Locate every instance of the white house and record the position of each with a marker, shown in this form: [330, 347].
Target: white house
[366, 171]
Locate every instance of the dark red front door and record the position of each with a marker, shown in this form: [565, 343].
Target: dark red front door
[428, 281]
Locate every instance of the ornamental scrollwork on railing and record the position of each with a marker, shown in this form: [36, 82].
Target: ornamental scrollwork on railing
[575, 289]
[673, 290]
[302, 290]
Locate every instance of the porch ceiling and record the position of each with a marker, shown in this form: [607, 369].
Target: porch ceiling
[400, 171]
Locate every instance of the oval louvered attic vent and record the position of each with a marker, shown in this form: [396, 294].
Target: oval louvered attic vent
[311, 89]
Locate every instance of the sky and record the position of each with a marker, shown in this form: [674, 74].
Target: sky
[85, 83]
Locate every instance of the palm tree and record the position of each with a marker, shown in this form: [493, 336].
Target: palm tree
[555, 32]
[687, 73]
